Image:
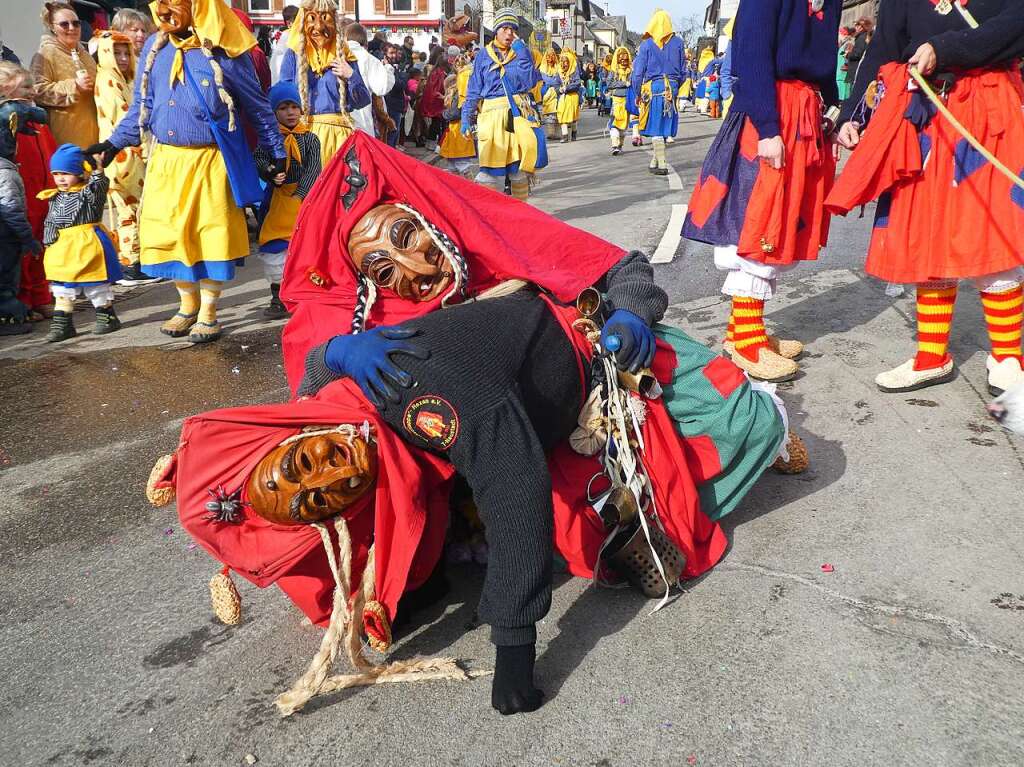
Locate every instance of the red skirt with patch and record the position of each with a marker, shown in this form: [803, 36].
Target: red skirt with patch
[772, 216]
[944, 211]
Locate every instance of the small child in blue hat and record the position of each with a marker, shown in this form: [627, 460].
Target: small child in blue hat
[81, 254]
[285, 191]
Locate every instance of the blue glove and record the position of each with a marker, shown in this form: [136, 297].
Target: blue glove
[628, 337]
[368, 359]
[520, 46]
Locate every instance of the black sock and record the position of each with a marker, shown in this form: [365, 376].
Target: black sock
[512, 691]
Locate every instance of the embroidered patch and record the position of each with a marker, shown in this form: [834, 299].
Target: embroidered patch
[432, 419]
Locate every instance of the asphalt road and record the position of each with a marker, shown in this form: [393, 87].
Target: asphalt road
[908, 652]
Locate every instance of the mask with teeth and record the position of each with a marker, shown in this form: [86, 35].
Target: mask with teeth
[312, 479]
[395, 251]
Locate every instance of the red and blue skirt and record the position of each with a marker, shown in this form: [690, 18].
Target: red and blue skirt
[944, 211]
[775, 217]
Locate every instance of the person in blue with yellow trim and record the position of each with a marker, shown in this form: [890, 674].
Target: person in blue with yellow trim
[81, 254]
[657, 75]
[509, 142]
[191, 228]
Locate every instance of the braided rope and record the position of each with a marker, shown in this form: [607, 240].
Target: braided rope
[147, 68]
[218, 79]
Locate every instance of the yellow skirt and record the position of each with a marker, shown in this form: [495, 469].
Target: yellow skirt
[284, 210]
[550, 104]
[333, 130]
[455, 146]
[189, 226]
[78, 256]
[620, 117]
[568, 108]
[498, 148]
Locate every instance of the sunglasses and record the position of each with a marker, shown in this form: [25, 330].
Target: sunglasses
[66, 25]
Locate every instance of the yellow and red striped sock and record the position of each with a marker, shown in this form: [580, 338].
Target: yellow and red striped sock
[749, 334]
[730, 329]
[1004, 315]
[934, 319]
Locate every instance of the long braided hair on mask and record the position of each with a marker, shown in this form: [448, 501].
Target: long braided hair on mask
[302, 68]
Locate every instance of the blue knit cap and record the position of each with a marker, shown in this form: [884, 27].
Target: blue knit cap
[506, 17]
[68, 159]
[282, 92]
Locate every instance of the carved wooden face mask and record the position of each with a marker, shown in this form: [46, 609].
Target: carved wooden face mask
[312, 479]
[396, 252]
[174, 16]
[321, 29]
[566, 63]
[623, 60]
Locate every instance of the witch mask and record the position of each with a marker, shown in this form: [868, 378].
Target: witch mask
[312, 478]
[174, 17]
[394, 250]
[321, 28]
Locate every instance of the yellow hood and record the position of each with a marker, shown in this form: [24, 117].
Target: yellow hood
[622, 73]
[213, 21]
[573, 65]
[659, 28]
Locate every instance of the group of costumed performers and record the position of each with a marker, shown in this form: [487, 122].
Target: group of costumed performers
[456, 147]
[510, 141]
[658, 72]
[945, 211]
[761, 192]
[286, 189]
[326, 73]
[570, 95]
[426, 341]
[81, 255]
[623, 101]
[115, 71]
[196, 87]
[17, 118]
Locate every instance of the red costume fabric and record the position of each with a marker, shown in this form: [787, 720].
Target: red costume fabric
[499, 238]
[944, 211]
[33, 159]
[782, 211]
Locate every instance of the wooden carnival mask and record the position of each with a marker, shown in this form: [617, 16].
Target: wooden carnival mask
[551, 59]
[623, 60]
[566, 63]
[312, 478]
[174, 17]
[321, 29]
[392, 248]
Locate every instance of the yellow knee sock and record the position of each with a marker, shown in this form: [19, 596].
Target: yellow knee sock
[209, 291]
[64, 304]
[188, 294]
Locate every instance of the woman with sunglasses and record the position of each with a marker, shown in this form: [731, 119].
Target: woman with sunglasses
[65, 74]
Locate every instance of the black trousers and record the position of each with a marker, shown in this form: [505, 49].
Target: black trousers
[501, 388]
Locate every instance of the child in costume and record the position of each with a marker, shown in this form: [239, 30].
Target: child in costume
[657, 75]
[285, 190]
[570, 90]
[714, 97]
[32, 158]
[550, 82]
[115, 57]
[457, 149]
[623, 101]
[81, 257]
[760, 194]
[191, 230]
[326, 73]
[16, 236]
[945, 213]
[499, 87]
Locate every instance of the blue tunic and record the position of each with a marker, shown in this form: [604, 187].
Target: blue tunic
[653, 65]
[177, 117]
[324, 90]
[521, 74]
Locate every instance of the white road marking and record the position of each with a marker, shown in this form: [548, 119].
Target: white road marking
[674, 182]
[670, 240]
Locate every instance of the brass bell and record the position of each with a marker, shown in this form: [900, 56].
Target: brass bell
[589, 302]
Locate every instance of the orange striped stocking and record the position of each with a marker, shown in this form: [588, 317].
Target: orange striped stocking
[1004, 315]
[934, 319]
[749, 334]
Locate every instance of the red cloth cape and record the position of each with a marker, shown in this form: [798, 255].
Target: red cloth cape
[499, 237]
[405, 516]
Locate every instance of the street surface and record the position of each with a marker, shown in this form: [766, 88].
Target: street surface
[910, 651]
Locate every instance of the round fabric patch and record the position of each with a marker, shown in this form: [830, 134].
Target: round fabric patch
[433, 420]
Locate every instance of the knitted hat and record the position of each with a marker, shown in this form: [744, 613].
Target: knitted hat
[68, 159]
[282, 92]
[506, 17]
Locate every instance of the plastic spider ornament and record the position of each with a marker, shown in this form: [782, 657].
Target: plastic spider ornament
[225, 507]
